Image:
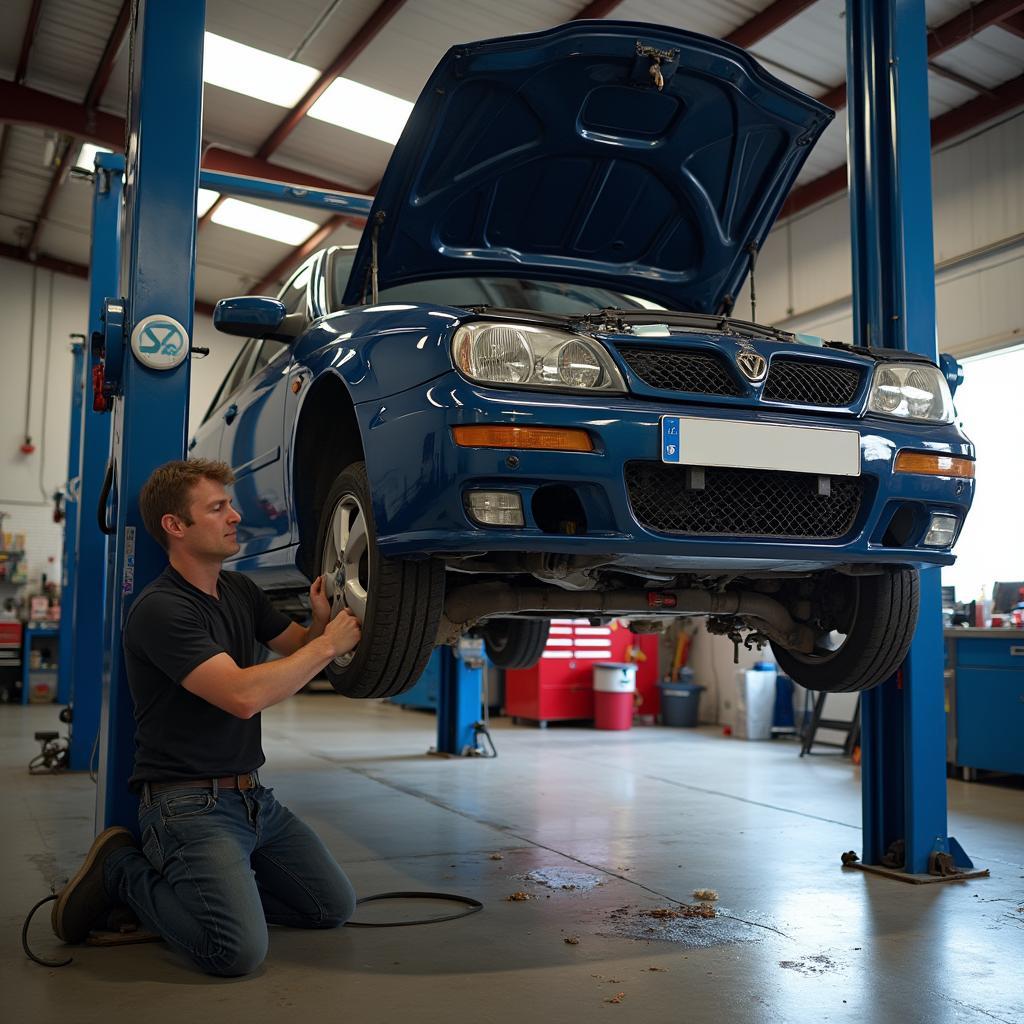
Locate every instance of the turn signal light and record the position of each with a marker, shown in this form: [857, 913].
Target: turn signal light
[552, 439]
[934, 465]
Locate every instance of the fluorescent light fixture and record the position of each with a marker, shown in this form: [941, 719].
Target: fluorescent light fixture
[87, 156]
[258, 220]
[205, 198]
[256, 73]
[362, 109]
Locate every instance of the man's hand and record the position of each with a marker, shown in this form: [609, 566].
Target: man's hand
[319, 605]
[343, 632]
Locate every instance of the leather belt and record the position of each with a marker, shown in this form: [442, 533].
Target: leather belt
[250, 781]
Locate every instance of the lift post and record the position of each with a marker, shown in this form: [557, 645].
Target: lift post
[88, 587]
[147, 334]
[72, 502]
[903, 748]
[459, 696]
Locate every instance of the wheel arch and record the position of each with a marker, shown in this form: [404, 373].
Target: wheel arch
[327, 439]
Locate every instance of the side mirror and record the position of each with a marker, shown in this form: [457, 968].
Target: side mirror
[249, 316]
[952, 370]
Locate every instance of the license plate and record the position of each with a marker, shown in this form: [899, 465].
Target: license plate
[696, 441]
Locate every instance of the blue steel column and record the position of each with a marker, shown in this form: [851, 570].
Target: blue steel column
[89, 590]
[903, 721]
[151, 417]
[458, 703]
[69, 556]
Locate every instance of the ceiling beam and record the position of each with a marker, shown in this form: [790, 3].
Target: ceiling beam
[1001, 100]
[27, 39]
[596, 10]
[92, 97]
[106, 65]
[36, 109]
[1014, 25]
[774, 16]
[369, 31]
[68, 267]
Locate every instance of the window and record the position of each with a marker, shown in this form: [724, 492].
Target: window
[506, 292]
[988, 548]
[269, 351]
[294, 293]
[235, 376]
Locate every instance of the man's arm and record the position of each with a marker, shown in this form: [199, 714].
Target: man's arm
[244, 692]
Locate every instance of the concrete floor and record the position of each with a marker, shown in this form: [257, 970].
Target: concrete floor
[653, 813]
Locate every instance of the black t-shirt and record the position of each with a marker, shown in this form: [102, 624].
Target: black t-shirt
[172, 628]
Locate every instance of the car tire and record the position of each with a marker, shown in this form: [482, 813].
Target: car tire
[399, 601]
[881, 625]
[515, 643]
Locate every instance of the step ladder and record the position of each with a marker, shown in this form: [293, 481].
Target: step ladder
[818, 721]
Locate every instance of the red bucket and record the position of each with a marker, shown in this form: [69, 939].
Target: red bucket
[614, 689]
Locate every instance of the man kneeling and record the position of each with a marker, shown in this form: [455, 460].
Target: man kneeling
[220, 856]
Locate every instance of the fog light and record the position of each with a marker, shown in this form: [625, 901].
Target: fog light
[941, 531]
[495, 508]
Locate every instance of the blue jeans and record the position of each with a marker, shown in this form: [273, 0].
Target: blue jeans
[217, 866]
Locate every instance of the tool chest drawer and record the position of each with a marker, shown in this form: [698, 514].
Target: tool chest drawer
[991, 652]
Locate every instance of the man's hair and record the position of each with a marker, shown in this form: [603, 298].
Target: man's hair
[169, 491]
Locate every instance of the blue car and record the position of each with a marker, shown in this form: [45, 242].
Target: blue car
[525, 393]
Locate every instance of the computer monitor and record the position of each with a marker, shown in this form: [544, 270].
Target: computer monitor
[1006, 595]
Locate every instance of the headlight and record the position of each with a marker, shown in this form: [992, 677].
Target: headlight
[911, 391]
[524, 356]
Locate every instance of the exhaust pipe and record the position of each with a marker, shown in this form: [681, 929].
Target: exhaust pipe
[468, 605]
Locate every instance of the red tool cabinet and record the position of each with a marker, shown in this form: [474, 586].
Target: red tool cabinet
[560, 685]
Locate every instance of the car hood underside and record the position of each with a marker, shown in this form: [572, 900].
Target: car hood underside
[648, 160]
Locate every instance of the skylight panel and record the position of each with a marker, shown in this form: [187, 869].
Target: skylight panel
[205, 198]
[258, 220]
[256, 73]
[362, 109]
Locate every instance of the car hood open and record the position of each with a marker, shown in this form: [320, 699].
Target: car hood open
[556, 155]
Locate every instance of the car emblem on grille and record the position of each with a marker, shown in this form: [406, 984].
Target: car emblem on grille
[752, 364]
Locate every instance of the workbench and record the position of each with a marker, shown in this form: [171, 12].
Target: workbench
[985, 699]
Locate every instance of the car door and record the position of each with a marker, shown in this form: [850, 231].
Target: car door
[252, 442]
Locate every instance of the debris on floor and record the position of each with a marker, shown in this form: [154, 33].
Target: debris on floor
[563, 878]
[617, 998]
[497, 856]
[572, 940]
[695, 925]
[705, 894]
[689, 910]
[519, 897]
[819, 964]
[662, 970]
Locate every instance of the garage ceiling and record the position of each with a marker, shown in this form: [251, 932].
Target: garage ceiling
[76, 51]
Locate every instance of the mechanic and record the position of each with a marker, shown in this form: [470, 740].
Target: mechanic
[220, 857]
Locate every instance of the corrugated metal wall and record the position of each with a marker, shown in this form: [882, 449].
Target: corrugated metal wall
[803, 280]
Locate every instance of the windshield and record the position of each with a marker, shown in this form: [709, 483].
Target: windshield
[504, 292]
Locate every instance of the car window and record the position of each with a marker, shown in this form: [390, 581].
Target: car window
[269, 351]
[234, 377]
[293, 295]
[509, 292]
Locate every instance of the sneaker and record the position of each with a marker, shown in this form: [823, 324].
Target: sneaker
[84, 900]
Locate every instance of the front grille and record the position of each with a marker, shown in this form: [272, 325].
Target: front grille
[681, 370]
[807, 382]
[741, 502]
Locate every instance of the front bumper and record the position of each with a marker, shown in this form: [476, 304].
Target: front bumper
[419, 476]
